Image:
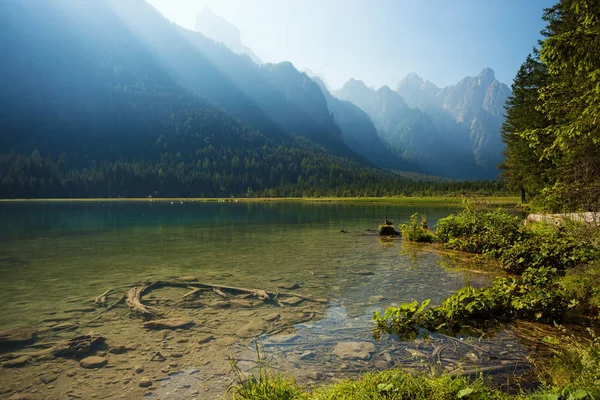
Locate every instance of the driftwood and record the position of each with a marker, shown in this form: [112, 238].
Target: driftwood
[136, 305]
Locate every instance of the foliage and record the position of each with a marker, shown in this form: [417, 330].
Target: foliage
[575, 366]
[480, 231]
[385, 385]
[560, 126]
[547, 246]
[264, 386]
[535, 296]
[416, 231]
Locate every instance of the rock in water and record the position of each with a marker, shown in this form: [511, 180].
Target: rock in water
[145, 382]
[354, 350]
[292, 301]
[173, 323]
[17, 336]
[16, 362]
[93, 362]
[289, 286]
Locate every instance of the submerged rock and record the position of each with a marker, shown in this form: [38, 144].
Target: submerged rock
[354, 350]
[145, 382]
[173, 323]
[17, 336]
[289, 286]
[292, 301]
[93, 362]
[16, 362]
[205, 338]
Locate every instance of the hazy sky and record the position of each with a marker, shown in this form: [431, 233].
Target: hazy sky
[380, 41]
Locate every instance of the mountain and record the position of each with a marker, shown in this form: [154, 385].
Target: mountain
[221, 30]
[473, 107]
[91, 107]
[411, 133]
[360, 133]
[287, 96]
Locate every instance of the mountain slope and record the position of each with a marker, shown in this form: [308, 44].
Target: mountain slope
[285, 94]
[474, 107]
[360, 133]
[409, 132]
[221, 30]
[89, 110]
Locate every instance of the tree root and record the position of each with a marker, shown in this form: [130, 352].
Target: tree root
[135, 294]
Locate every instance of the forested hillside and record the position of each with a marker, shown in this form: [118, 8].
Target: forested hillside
[92, 106]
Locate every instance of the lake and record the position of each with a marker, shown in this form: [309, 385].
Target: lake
[55, 258]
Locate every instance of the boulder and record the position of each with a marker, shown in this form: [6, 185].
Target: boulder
[93, 362]
[354, 350]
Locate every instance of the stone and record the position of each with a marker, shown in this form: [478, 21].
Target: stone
[252, 329]
[93, 362]
[71, 373]
[354, 350]
[17, 336]
[205, 338]
[307, 355]
[173, 323]
[16, 362]
[139, 369]
[145, 382]
[364, 272]
[176, 355]
[182, 340]
[46, 379]
[289, 286]
[117, 350]
[272, 317]
[292, 301]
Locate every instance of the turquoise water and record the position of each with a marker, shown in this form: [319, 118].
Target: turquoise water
[55, 254]
[60, 256]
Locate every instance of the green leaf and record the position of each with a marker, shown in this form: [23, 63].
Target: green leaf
[578, 394]
[464, 393]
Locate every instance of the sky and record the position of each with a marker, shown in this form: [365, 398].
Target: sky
[380, 41]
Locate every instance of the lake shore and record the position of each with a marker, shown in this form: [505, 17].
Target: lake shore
[504, 200]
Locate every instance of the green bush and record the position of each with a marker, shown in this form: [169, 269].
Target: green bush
[535, 296]
[548, 247]
[416, 231]
[480, 232]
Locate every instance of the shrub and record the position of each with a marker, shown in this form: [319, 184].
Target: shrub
[416, 231]
[480, 232]
[547, 248]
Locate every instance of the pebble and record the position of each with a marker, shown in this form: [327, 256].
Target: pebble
[145, 382]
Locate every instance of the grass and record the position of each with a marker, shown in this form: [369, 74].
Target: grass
[389, 384]
[395, 199]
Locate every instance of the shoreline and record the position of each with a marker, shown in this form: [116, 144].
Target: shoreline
[503, 200]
